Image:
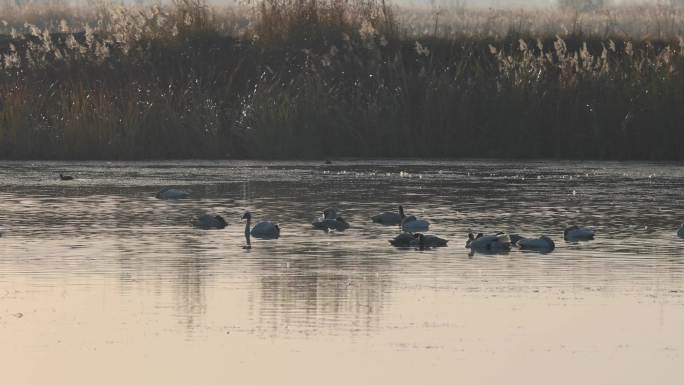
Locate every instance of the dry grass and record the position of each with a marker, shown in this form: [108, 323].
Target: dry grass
[305, 79]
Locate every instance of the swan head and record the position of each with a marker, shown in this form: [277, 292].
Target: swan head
[470, 240]
[401, 211]
[247, 215]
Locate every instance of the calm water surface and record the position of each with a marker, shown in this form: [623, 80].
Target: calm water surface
[101, 283]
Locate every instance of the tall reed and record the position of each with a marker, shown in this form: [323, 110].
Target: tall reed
[311, 79]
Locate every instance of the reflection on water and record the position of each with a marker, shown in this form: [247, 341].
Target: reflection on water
[101, 271]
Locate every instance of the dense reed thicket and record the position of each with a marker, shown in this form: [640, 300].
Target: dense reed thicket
[312, 79]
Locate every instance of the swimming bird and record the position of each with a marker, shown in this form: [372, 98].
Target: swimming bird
[330, 221]
[417, 240]
[171, 193]
[542, 244]
[680, 232]
[264, 229]
[209, 221]
[422, 240]
[402, 240]
[389, 218]
[330, 213]
[499, 242]
[65, 177]
[576, 233]
[413, 224]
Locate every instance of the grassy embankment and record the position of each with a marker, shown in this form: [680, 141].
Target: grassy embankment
[313, 79]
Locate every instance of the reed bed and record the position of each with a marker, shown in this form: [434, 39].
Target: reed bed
[313, 79]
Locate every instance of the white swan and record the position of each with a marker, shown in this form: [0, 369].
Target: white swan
[499, 242]
[264, 229]
[171, 193]
[542, 244]
[680, 232]
[413, 224]
[209, 221]
[575, 233]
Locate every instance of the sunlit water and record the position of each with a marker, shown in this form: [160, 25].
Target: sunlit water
[101, 283]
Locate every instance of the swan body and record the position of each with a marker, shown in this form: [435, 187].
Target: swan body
[499, 242]
[171, 193]
[209, 221]
[680, 232]
[338, 224]
[389, 218]
[264, 229]
[428, 241]
[65, 177]
[413, 224]
[542, 244]
[575, 233]
[402, 240]
[417, 240]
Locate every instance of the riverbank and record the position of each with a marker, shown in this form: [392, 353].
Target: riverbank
[318, 80]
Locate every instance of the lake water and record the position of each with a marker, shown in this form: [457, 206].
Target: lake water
[101, 283]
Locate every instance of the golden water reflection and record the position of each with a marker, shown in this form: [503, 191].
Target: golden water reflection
[101, 283]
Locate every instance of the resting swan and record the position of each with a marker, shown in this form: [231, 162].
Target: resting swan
[499, 242]
[413, 224]
[171, 193]
[542, 244]
[265, 229]
[408, 223]
[575, 233]
[418, 240]
[330, 221]
[389, 218]
[209, 221]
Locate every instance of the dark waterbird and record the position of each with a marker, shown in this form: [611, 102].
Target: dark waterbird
[330, 221]
[418, 240]
[209, 221]
[543, 244]
[263, 230]
[389, 218]
[499, 242]
[65, 177]
[576, 233]
[171, 193]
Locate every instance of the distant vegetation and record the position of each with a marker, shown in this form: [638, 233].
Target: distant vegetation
[321, 79]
